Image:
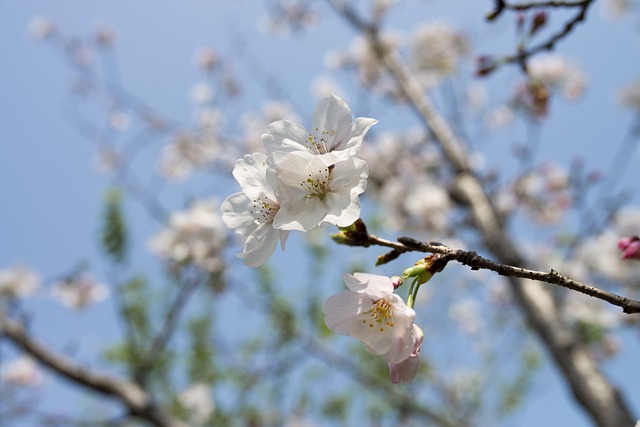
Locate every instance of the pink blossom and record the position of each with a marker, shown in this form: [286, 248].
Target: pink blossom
[405, 371]
[630, 247]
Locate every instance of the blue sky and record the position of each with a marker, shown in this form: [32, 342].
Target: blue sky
[51, 196]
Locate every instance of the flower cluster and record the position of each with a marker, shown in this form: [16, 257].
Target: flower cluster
[306, 179]
[194, 236]
[372, 313]
[18, 282]
[436, 50]
[309, 178]
[79, 291]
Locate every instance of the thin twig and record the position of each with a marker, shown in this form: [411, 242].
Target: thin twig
[501, 6]
[161, 340]
[477, 262]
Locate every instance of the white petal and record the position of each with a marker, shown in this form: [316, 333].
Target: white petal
[284, 234]
[302, 214]
[259, 246]
[284, 135]
[250, 172]
[292, 169]
[236, 214]
[350, 174]
[341, 311]
[378, 287]
[359, 129]
[334, 116]
[342, 209]
[355, 282]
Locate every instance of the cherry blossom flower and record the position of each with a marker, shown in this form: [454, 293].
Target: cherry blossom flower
[196, 235]
[405, 371]
[197, 400]
[78, 292]
[629, 96]
[313, 193]
[555, 71]
[189, 152]
[333, 130]
[18, 282]
[437, 48]
[372, 313]
[251, 212]
[42, 27]
[21, 371]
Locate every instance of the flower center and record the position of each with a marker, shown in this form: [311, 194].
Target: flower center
[320, 142]
[317, 185]
[264, 209]
[380, 315]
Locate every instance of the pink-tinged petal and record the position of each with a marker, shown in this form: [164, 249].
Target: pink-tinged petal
[630, 247]
[369, 333]
[405, 371]
[259, 246]
[402, 343]
[236, 214]
[341, 312]
[284, 135]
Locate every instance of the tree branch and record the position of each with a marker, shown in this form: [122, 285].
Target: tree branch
[138, 402]
[477, 262]
[501, 5]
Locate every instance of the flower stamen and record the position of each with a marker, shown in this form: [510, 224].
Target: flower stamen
[381, 313]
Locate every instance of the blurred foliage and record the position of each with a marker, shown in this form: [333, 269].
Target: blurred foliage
[113, 234]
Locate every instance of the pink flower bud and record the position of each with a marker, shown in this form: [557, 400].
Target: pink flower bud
[630, 247]
[396, 281]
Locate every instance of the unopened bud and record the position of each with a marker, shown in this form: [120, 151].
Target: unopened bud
[397, 281]
[539, 21]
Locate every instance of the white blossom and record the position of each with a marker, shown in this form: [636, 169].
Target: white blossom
[251, 212]
[119, 120]
[313, 193]
[78, 292]
[629, 96]
[372, 313]
[206, 58]
[333, 134]
[201, 93]
[436, 48]
[555, 71]
[41, 27]
[198, 401]
[21, 371]
[18, 282]
[187, 153]
[196, 235]
[616, 9]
